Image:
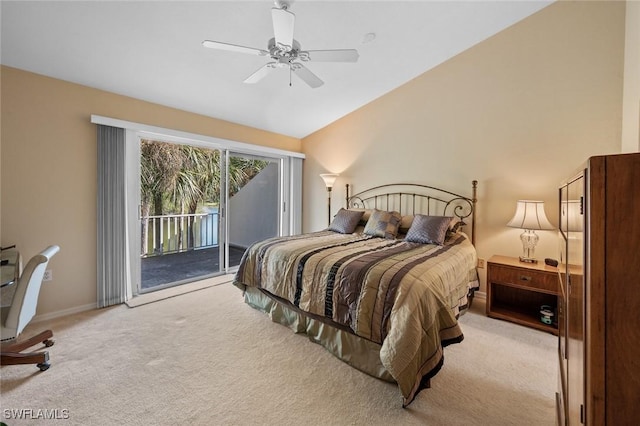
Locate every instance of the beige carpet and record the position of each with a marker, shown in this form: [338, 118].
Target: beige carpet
[178, 290]
[206, 358]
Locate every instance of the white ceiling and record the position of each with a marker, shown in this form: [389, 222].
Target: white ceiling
[152, 51]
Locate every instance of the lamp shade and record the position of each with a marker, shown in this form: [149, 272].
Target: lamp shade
[530, 215]
[329, 179]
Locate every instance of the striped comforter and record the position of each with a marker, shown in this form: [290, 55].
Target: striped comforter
[403, 296]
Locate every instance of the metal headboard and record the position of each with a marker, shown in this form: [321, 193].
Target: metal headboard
[411, 198]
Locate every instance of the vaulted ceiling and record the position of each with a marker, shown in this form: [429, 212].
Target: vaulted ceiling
[153, 51]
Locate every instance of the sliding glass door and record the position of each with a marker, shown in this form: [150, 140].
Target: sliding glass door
[187, 194]
[254, 200]
[180, 194]
[200, 208]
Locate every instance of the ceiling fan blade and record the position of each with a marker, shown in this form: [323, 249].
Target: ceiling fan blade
[338, 55]
[307, 76]
[261, 73]
[283, 23]
[233, 48]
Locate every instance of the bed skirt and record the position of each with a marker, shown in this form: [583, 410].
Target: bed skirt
[356, 351]
[360, 353]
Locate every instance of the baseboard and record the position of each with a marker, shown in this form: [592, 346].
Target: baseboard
[64, 312]
[480, 295]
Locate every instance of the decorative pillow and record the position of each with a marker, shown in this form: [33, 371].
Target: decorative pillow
[345, 221]
[455, 225]
[428, 229]
[366, 213]
[383, 224]
[405, 224]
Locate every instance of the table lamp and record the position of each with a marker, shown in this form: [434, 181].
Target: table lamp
[529, 216]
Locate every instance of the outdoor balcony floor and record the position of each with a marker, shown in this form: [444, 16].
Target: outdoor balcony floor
[186, 266]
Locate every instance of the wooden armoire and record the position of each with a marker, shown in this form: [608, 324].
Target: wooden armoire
[599, 297]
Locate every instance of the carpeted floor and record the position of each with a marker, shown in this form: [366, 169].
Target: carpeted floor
[206, 358]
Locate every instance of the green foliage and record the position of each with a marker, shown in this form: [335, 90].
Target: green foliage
[177, 178]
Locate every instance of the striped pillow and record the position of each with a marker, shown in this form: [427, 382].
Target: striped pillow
[383, 224]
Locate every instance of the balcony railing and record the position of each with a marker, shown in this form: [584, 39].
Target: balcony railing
[178, 232]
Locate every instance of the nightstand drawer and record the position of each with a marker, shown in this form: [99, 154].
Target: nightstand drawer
[523, 277]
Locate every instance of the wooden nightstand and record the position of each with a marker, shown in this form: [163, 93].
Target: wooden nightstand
[516, 291]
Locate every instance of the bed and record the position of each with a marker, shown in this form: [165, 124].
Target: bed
[382, 287]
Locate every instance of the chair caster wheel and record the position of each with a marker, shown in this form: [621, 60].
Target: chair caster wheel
[43, 366]
[48, 343]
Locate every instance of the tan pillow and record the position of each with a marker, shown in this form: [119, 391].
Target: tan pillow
[405, 223]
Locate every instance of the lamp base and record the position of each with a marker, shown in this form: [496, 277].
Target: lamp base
[529, 240]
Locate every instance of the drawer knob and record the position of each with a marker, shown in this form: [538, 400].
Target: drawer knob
[525, 278]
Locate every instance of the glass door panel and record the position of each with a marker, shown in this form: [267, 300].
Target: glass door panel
[179, 213]
[253, 203]
[576, 294]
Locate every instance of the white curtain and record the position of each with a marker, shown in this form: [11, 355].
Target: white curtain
[113, 254]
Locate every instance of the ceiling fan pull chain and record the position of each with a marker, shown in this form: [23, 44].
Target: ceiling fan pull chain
[290, 75]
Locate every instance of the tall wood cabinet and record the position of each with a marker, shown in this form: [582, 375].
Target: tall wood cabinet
[599, 295]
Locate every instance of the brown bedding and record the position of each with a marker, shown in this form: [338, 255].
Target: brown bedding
[401, 297]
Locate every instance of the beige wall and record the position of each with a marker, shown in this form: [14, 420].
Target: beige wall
[49, 172]
[631, 97]
[519, 112]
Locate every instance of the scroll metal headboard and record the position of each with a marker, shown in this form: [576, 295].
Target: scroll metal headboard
[411, 199]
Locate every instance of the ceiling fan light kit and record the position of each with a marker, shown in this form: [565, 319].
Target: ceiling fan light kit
[285, 51]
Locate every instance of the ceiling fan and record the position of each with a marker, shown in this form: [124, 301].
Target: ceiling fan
[285, 52]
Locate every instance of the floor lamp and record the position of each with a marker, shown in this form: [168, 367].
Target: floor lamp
[329, 179]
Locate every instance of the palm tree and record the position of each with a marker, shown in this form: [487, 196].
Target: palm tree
[160, 165]
[198, 181]
[241, 171]
[186, 177]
